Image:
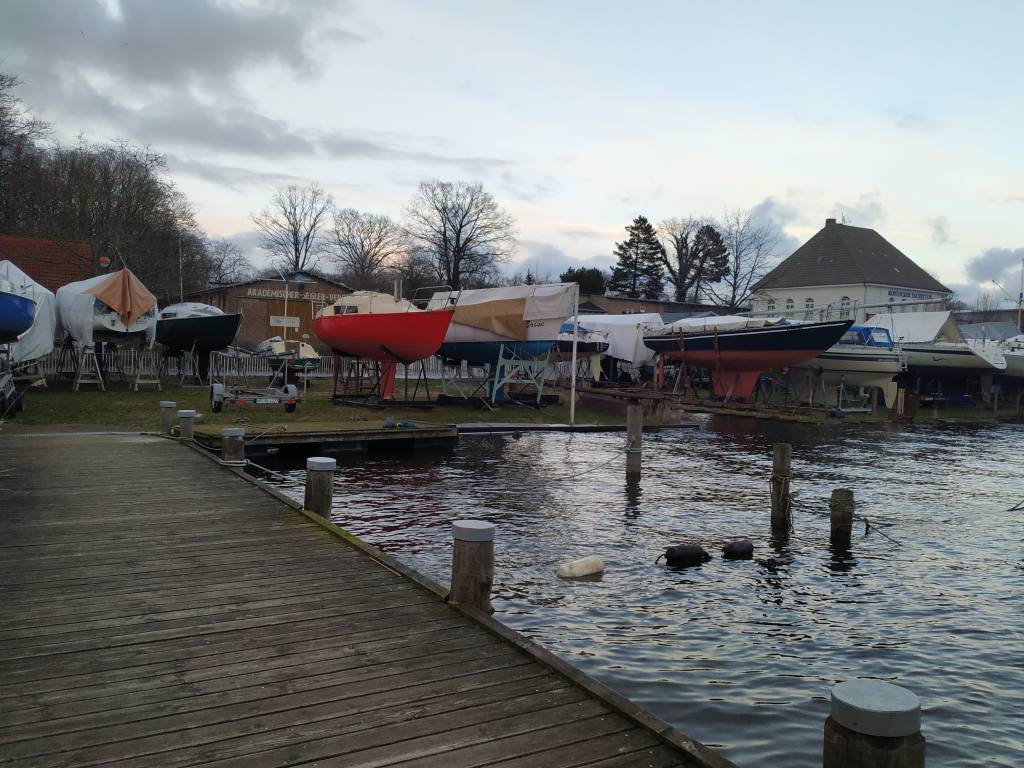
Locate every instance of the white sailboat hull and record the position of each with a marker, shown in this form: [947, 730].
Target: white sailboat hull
[962, 356]
[852, 366]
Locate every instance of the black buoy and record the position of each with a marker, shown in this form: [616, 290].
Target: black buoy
[738, 549]
[684, 555]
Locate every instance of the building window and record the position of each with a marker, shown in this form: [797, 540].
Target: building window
[808, 303]
[844, 306]
[789, 305]
[771, 306]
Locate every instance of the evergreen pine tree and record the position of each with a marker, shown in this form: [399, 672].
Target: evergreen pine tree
[639, 271]
[530, 279]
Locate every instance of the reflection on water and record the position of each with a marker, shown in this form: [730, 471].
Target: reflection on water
[741, 654]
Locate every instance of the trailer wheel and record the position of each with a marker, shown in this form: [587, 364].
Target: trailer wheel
[289, 407]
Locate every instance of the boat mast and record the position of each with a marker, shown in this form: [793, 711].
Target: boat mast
[1020, 296]
[575, 340]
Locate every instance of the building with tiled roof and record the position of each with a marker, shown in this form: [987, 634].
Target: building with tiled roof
[841, 270]
[51, 263]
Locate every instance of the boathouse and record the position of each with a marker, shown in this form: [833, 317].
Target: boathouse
[845, 271]
[263, 305]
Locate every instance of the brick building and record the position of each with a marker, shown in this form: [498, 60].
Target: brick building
[262, 304]
[51, 263]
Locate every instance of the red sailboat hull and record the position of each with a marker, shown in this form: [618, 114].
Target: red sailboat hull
[387, 337]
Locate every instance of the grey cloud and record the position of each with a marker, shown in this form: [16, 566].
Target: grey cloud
[939, 227]
[775, 213]
[584, 232]
[528, 190]
[545, 259]
[866, 212]
[229, 176]
[914, 121]
[347, 146]
[1000, 264]
[200, 42]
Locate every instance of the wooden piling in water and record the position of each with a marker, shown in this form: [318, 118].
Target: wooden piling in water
[233, 444]
[167, 409]
[782, 456]
[634, 439]
[319, 485]
[873, 725]
[187, 419]
[472, 564]
[841, 507]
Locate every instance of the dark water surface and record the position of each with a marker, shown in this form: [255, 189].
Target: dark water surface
[741, 655]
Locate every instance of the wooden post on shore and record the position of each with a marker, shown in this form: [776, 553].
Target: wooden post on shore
[319, 485]
[167, 409]
[188, 423]
[873, 725]
[233, 445]
[634, 439]
[472, 564]
[782, 456]
[841, 508]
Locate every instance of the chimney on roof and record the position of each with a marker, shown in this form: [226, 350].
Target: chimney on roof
[829, 222]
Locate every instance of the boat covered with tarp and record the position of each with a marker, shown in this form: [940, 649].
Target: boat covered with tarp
[864, 357]
[17, 291]
[523, 321]
[934, 340]
[737, 350]
[115, 307]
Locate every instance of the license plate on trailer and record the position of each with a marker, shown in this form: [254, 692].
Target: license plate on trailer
[267, 401]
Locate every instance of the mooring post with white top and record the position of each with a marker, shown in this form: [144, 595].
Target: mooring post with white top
[232, 440]
[167, 409]
[187, 420]
[873, 725]
[319, 485]
[472, 564]
[841, 507]
[782, 457]
[634, 439]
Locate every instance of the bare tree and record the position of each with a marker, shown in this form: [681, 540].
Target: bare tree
[364, 245]
[693, 254]
[462, 229]
[751, 248]
[291, 226]
[227, 263]
[18, 152]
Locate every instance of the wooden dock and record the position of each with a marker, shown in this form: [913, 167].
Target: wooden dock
[159, 610]
[330, 440]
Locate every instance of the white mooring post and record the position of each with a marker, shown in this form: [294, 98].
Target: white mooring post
[232, 442]
[320, 485]
[873, 725]
[472, 564]
[167, 409]
[188, 423]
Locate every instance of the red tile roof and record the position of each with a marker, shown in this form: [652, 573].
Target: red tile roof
[52, 263]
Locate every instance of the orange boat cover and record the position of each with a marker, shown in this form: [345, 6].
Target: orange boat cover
[124, 293]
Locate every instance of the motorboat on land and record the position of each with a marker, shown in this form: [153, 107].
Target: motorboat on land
[28, 315]
[381, 327]
[297, 355]
[1004, 335]
[934, 340]
[113, 308]
[192, 325]
[863, 357]
[737, 350]
[588, 345]
[522, 321]
[17, 311]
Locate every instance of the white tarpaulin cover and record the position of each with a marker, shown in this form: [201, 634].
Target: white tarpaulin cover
[916, 327]
[37, 340]
[719, 323]
[190, 309]
[76, 311]
[625, 334]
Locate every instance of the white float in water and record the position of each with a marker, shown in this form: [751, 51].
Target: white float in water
[585, 566]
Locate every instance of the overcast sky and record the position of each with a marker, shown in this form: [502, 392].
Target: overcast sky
[905, 117]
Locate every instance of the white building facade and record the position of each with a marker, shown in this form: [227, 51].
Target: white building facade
[846, 272]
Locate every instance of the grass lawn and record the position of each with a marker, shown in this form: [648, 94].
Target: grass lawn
[56, 408]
